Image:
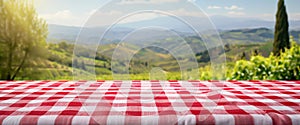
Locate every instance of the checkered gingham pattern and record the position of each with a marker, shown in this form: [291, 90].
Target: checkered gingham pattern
[150, 102]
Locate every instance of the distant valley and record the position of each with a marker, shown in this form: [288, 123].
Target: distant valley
[242, 39]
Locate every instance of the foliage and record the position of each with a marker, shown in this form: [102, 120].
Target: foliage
[284, 67]
[205, 73]
[281, 36]
[22, 37]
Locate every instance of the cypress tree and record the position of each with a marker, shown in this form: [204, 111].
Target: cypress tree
[281, 37]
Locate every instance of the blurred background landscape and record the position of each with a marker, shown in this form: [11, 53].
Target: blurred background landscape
[37, 43]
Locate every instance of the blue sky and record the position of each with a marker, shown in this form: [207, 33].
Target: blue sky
[76, 12]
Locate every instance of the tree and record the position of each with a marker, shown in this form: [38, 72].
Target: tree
[22, 37]
[281, 37]
[83, 65]
[243, 57]
[75, 63]
[255, 53]
[227, 47]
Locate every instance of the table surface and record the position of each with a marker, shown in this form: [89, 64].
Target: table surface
[150, 102]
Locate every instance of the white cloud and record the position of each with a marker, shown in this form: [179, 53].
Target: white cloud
[184, 12]
[147, 1]
[214, 7]
[59, 14]
[233, 7]
[66, 17]
[63, 17]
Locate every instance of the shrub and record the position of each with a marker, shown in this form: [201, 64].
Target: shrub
[284, 67]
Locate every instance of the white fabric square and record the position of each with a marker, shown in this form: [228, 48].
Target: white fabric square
[70, 96]
[248, 107]
[285, 88]
[65, 100]
[47, 120]
[81, 120]
[149, 109]
[88, 108]
[270, 91]
[12, 120]
[294, 100]
[296, 91]
[119, 101]
[58, 108]
[281, 108]
[120, 109]
[149, 120]
[8, 91]
[32, 90]
[54, 90]
[204, 100]
[224, 119]
[36, 101]
[26, 109]
[262, 119]
[234, 99]
[212, 108]
[115, 120]
[282, 95]
[295, 119]
[187, 120]
[84, 108]
[253, 95]
[46, 95]
[90, 100]
[10, 101]
[120, 95]
[227, 93]
[2, 107]
[146, 95]
[21, 95]
[265, 100]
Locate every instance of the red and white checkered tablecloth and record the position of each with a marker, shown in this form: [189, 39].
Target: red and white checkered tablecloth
[150, 102]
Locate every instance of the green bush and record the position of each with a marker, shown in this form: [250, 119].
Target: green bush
[284, 67]
[205, 73]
